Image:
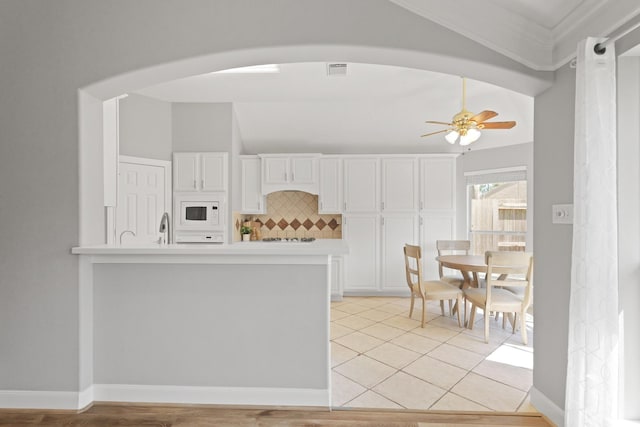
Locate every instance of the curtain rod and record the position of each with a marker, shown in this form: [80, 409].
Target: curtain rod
[601, 48]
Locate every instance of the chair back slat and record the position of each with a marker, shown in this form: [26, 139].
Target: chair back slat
[413, 268]
[451, 247]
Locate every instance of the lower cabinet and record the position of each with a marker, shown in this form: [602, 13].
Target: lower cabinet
[434, 227]
[361, 272]
[397, 230]
[375, 263]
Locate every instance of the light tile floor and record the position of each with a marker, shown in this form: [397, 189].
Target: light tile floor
[381, 358]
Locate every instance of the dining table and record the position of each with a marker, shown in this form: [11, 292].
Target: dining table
[468, 265]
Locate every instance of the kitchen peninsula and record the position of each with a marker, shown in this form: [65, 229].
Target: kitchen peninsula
[244, 323]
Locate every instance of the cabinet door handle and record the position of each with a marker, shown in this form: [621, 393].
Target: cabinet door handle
[382, 205]
[345, 206]
[285, 176]
[382, 220]
[421, 204]
[259, 204]
[194, 184]
[420, 221]
[321, 208]
[292, 178]
[202, 183]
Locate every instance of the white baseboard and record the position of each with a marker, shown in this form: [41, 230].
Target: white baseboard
[62, 400]
[211, 395]
[543, 404]
[386, 293]
[26, 399]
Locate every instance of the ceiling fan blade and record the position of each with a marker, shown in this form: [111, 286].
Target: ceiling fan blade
[434, 133]
[497, 125]
[484, 115]
[438, 123]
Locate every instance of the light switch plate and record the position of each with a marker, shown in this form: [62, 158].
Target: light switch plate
[562, 214]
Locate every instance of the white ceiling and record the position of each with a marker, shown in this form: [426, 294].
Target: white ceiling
[382, 108]
[373, 109]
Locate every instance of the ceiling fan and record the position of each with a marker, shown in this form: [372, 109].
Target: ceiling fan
[466, 126]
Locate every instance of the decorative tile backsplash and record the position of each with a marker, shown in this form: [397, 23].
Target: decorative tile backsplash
[293, 214]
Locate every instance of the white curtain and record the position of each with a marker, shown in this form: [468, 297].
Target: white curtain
[592, 370]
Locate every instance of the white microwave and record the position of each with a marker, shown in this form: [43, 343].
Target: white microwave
[199, 212]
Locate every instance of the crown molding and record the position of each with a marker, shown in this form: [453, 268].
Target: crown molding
[518, 37]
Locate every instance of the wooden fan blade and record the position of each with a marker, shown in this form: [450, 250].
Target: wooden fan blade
[497, 125]
[438, 123]
[434, 133]
[484, 115]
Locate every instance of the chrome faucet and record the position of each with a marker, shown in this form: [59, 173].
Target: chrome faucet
[165, 227]
[125, 232]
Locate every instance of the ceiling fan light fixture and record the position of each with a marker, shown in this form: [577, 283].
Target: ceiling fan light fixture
[451, 137]
[471, 136]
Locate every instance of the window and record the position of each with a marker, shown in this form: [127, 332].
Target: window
[497, 211]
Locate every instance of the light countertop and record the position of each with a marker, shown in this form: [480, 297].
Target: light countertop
[317, 247]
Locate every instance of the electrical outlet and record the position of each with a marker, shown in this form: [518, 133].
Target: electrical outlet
[562, 214]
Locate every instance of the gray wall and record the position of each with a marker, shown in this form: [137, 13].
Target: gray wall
[553, 184]
[629, 225]
[270, 332]
[202, 127]
[145, 127]
[55, 48]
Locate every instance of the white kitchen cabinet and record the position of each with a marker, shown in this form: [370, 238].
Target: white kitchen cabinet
[289, 172]
[200, 171]
[361, 272]
[336, 278]
[330, 191]
[361, 185]
[252, 198]
[397, 230]
[399, 184]
[213, 171]
[276, 170]
[434, 227]
[437, 184]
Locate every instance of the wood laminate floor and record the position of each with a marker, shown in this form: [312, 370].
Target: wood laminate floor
[170, 416]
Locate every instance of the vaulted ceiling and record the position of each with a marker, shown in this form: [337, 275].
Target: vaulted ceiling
[378, 108]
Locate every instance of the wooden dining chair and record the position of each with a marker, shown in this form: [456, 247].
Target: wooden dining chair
[452, 247]
[494, 298]
[427, 290]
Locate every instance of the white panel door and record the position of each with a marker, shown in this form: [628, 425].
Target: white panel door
[399, 185]
[252, 198]
[141, 202]
[330, 197]
[186, 172]
[362, 263]
[397, 230]
[434, 227]
[303, 170]
[275, 170]
[213, 171]
[437, 184]
[361, 185]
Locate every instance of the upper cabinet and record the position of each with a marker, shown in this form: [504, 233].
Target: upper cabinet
[200, 171]
[437, 184]
[289, 172]
[399, 184]
[252, 198]
[361, 184]
[330, 195]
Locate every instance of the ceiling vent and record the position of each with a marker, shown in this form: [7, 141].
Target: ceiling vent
[336, 69]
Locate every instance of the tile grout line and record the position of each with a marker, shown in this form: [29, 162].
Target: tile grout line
[397, 370]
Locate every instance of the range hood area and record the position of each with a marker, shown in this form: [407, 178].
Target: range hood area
[290, 214]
